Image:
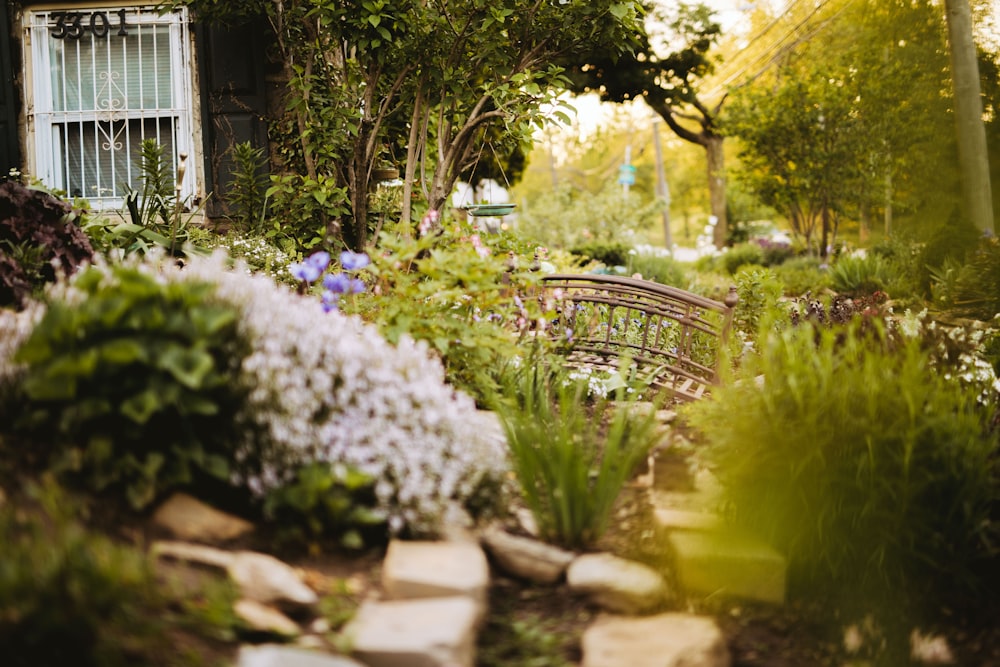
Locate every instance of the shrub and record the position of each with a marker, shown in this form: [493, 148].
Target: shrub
[302, 208]
[741, 255]
[71, 597]
[800, 275]
[861, 274]
[971, 288]
[314, 387]
[609, 253]
[659, 268]
[325, 387]
[40, 239]
[453, 291]
[759, 292]
[326, 504]
[869, 465]
[129, 381]
[570, 469]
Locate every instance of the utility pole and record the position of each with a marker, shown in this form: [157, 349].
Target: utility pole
[662, 190]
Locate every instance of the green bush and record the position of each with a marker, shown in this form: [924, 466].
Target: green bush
[659, 268]
[40, 240]
[326, 504]
[871, 466]
[800, 275]
[970, 288]
[608, 253]
[571, 452]
[72, 597]
[303, 208]
[130, 381]
[741, 255]
[857, 274]
[455, 292]
[759, 292]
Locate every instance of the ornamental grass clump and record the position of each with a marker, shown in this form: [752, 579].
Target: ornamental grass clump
[871, 467]
[572, 452]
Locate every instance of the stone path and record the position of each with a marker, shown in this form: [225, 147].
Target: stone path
[433, 596]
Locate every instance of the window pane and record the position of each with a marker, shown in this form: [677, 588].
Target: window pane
[111, 74]
[102, 158]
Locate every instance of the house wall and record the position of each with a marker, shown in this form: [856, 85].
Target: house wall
[229, 96]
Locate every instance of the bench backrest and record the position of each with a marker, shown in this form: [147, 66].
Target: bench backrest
[672, 336]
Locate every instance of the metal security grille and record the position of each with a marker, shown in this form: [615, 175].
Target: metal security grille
[105, 79]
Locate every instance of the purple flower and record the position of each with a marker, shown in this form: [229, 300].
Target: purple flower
[310, 270]
[330, 300]
[341, 283]
[352, 261]
[304, 271]
[319, 259]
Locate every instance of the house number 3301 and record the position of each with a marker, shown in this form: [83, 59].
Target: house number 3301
[73, 25]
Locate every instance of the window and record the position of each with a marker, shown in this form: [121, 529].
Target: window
[103, 80]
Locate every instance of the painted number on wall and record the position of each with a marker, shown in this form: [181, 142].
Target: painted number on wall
[73, 25]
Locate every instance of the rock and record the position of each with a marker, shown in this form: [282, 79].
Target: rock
[190, 519]
[263, 618]
[266, 579]
[666, 416]
[192, 553]
[270, 655]
[434, 632]
[617, 584]
[525, 557]
[435, 569]
[677, 519]
[729, 564]
[664, 640]
[930, 649]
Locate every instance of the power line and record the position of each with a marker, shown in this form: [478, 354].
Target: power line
[770, 54]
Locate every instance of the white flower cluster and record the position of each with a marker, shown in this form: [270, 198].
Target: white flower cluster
[15, 327]
[260, 256]
[328, 387]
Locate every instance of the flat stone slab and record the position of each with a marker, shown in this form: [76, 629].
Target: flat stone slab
[187, 518]
[664, 640]
[679, 519]
[435, 632]
[525, 557]
[270, 655]
[617, 584]
[413, 570]
[730, 564]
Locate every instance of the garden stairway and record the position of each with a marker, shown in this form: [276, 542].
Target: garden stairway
[712, 558]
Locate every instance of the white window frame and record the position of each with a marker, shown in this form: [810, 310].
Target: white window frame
[46, 160]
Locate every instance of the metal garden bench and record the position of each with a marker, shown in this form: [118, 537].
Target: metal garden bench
[671, 337]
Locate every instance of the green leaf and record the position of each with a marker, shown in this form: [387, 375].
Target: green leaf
[122, 351]
[142, 406]
[188, 366]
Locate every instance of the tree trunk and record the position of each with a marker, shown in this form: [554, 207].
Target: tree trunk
[974, 160]
[717, 187]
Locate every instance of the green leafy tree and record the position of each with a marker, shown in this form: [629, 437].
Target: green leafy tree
[669, 79]
[369, 80]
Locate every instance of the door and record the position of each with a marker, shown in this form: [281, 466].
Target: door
[234, 101]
